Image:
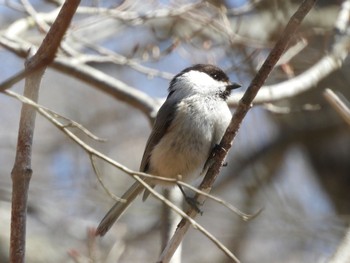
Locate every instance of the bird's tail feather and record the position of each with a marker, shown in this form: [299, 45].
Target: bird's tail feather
[118, 208]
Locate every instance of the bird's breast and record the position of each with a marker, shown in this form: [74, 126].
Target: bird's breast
[185, 147]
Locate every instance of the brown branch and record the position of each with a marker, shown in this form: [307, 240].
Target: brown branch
[241, 111]
[22, 172]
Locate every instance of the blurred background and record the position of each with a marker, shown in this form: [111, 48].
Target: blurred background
[290, 158]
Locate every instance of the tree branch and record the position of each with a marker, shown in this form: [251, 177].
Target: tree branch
[22, 172]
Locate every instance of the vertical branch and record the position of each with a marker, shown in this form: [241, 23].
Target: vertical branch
[241, 111]
[22, 171]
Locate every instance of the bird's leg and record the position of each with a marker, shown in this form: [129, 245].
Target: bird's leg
[216, 149]
[191, 201]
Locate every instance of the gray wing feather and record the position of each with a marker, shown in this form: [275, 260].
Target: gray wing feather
[164, 118]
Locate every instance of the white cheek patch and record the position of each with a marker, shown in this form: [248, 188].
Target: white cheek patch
[200, 78]
[200, 82]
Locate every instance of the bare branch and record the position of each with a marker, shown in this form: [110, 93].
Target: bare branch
[99, 178]
[111, 56]
[43, 26]
[22, 172]
[69, 123]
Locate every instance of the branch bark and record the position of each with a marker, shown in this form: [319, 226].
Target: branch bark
[22, 171]
[241, 111]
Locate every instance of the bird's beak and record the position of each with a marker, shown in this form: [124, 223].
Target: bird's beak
[233, 85]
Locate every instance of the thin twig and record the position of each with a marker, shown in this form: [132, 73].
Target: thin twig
[43, 26]
[99, 178]
[70, 123]
[112, 56]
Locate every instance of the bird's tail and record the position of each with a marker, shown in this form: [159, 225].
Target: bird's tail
[118, 208]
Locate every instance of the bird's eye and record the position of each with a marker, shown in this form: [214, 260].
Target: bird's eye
[218, 76]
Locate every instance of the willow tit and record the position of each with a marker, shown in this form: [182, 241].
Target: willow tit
[190, 123]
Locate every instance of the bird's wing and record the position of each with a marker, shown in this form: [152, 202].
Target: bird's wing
[164, 119]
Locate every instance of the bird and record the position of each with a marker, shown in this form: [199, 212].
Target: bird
[190, 123]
